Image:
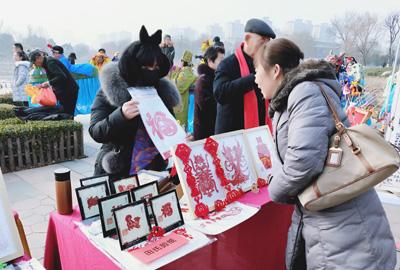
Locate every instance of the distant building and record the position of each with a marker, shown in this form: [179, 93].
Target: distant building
[234, 31]
[215, 30]
[299, 26]
[323, 32]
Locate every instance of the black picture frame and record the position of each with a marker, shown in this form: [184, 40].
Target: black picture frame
[93, 180]
[113, 181]
[138, 240]
[113, 231]
[80, 202]
[135, 198]
[156, 218]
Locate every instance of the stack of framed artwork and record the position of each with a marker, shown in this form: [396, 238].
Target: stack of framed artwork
[216, 171]
[130, 212]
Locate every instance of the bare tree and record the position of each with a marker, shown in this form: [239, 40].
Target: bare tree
[367, 33]
[343, 28]
[392, 24]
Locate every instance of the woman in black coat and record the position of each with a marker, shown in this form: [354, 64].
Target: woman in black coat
[115, 120]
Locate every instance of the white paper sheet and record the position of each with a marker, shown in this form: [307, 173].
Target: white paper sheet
[162, 127]
[219, 222]
[125, 260]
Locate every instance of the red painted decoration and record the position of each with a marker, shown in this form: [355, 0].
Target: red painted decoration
[263, 153]
[156, 231]
[201, 210]
[203, 175]
[219, 205]
[132, 224]
[261, 182]
[167, 210]
[233, 195]
[161, 125]
[92, 201]
[236, 163]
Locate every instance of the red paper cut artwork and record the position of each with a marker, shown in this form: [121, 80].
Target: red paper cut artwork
[204, 177]
[92, 201]
[263, 153]
[236, 163]
[132, 224]
[167, 210]
[161, 125]
[122, 188]
[182, 231]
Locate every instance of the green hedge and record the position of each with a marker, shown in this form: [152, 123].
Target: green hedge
[376, 71]
[7, 98]
[15, 127]
[6, 111]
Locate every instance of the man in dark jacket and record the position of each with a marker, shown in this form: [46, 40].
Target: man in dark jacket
[230, 87]
[64, 86]
[205, 109]
[167, 47]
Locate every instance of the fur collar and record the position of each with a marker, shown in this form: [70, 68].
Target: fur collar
[309, 70]
[205, 69]
[115, 88]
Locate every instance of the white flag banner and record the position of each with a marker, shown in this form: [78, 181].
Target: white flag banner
[160, 124]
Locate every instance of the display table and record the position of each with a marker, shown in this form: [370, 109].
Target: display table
[258, 243]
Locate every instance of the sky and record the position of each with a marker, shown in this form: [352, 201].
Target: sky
[78, 21]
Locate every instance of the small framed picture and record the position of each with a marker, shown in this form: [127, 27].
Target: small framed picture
[146, 192]
[94, 180]
[167, 211]
[106, 207]
[133, 224]
[123, 184]
[88, 198]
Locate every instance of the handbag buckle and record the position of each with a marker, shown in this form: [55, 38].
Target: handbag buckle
[356, 150]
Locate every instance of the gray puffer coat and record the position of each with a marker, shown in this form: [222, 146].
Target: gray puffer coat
[353, 235]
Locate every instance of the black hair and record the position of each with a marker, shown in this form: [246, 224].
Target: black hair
[167, 36]
[217, 39]
[212, 53]
[23, 55]
[34, 55]
[102, 50]
[19, 46]
[145, 52]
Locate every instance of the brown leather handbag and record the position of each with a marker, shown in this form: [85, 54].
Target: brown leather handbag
[358, 159]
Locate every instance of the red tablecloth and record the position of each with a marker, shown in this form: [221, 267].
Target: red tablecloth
[258, 243]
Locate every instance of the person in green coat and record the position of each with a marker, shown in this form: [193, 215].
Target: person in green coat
[184, 79]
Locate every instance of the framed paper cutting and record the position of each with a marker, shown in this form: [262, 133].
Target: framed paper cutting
[167, 211]
[88, 199]
[262, 150]
[146, 192]
[203, 171]
[123, 184]
[94, 180]
[236, 160]
[133, 224]
[10, 242]
[106, 207]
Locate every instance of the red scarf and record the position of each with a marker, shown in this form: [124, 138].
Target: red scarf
[250, 98]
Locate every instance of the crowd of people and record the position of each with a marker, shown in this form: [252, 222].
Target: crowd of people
[265, 82]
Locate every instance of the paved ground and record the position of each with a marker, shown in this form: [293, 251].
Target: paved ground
[32, 195]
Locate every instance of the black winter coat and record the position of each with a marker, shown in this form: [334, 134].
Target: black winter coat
[64, 86]
[109, 126]
[205, 110]
[229, 90]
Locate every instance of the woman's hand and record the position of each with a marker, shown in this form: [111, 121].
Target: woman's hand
[130, 109]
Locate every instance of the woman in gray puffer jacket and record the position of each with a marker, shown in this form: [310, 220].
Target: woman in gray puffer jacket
[353, 235]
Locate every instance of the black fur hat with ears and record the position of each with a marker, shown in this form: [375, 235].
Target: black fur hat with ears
[144, 52]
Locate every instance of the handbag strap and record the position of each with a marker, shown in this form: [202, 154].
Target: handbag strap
[343, 132]
[338, 123]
